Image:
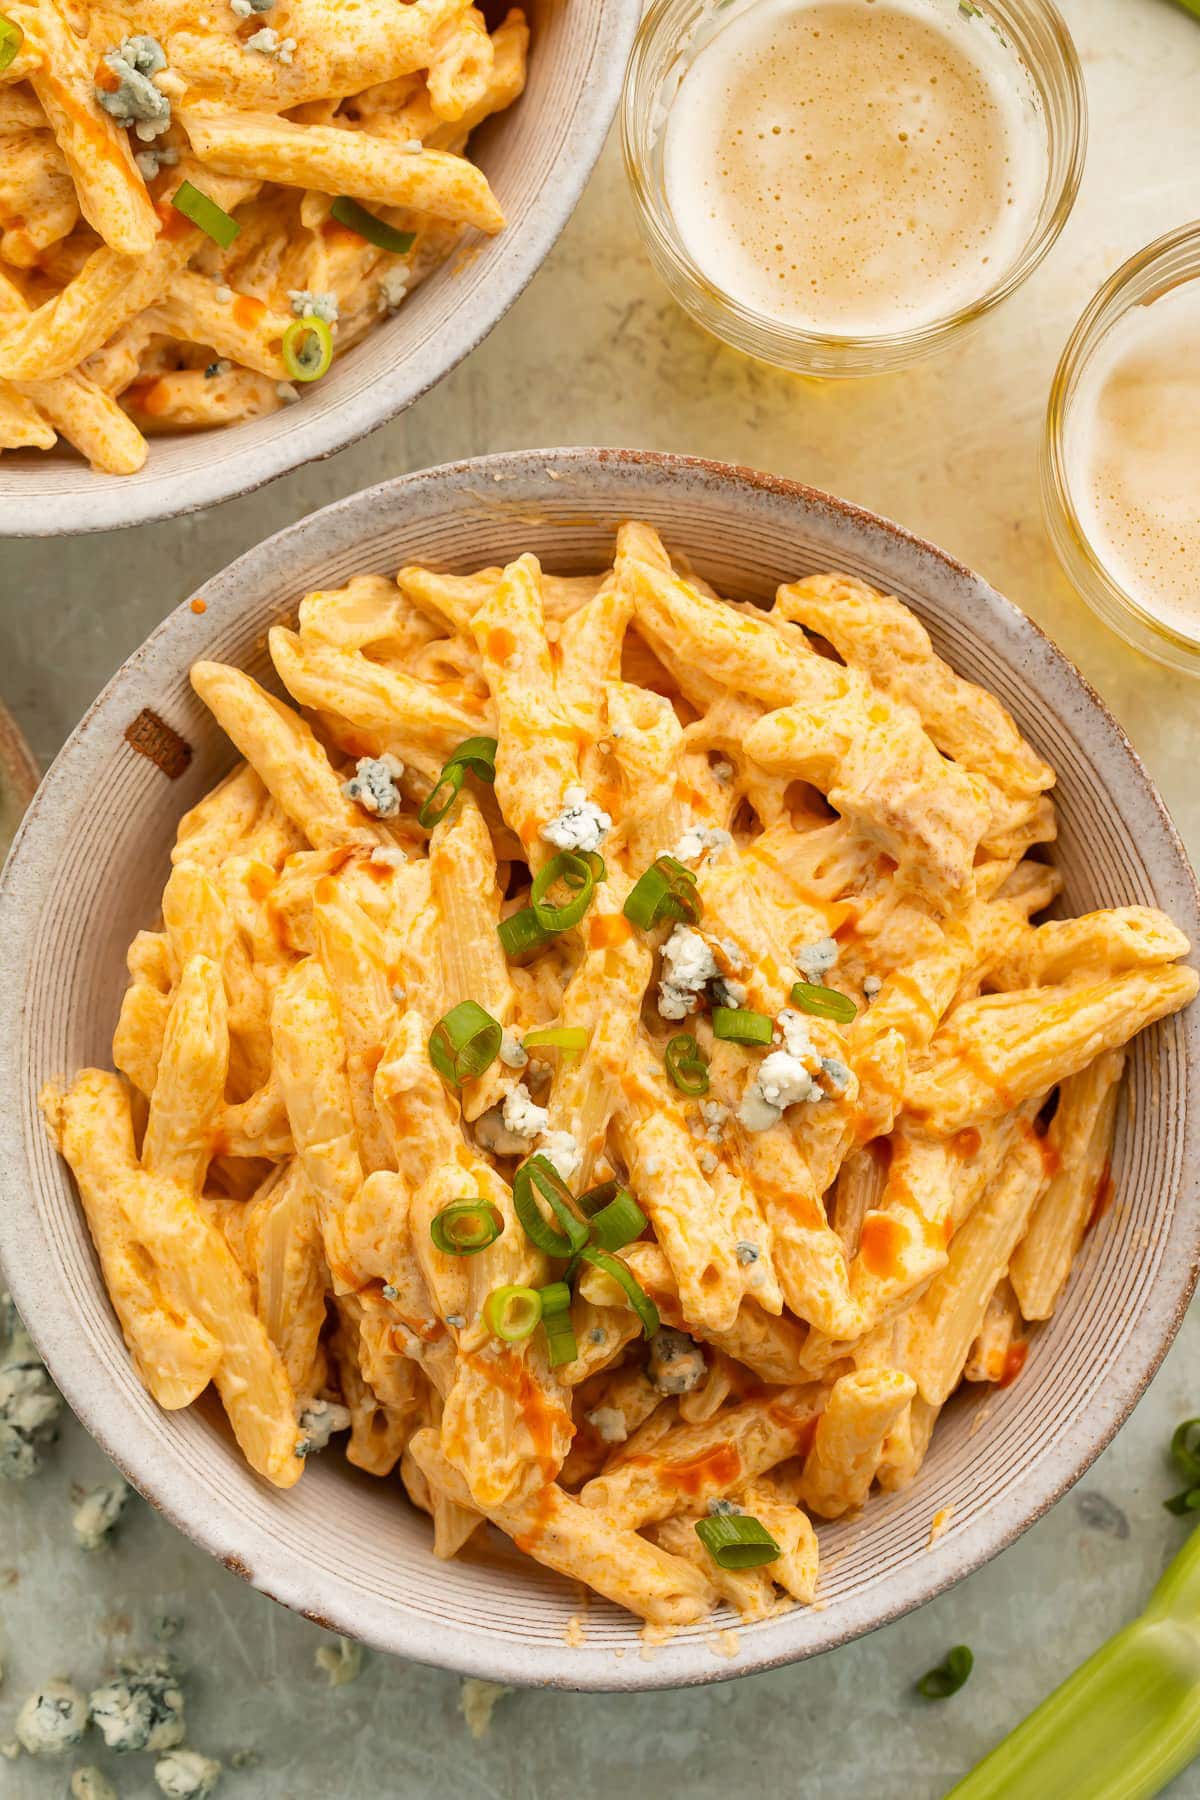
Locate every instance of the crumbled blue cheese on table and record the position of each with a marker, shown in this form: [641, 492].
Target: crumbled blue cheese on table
[688, 965]
[268, 42]
[186, 1775]
[477, 1701]
[307, 304]
[522, 1115]
[373, 785]
[53, 1720]
[561, 1149]
[89, 1783]
[29, 1401]
[816, 959]
[697, 840]
[95, 1518]
[135, 100]
[142, 1709]
[784, 1077]
[676, 1363]
[342, 1662]
[608, 1422]
[319, 1419]
[513, 1053]
[581, 825]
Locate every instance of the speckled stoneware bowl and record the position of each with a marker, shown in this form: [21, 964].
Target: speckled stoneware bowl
[537, 156]
[87, 871]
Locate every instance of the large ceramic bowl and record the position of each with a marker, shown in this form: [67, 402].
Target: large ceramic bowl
[537, 156]
[86, 873]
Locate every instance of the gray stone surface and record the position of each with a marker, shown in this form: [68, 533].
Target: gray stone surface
[595, 352]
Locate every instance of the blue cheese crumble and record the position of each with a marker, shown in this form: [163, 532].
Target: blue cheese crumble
[513, 1053]
[319, 1419]
[393, 286]
[135, 100]
[149, 162]
[245, 9]
[608, 1422]
[581, 825]
[785, 1077]
[699, 840]
[522, 1115]
[871, 986]
[373, 785]
[186, 1775]
[720, 1508]
[747, 1253]
[89, 1783]
[307, 304]
[142, 1709]
[688, 965]
[95, 1518]
[561, 1149]
[675, 1364]
[29, 1401]
[817, 959]
[267, 42]
[53, 1720]
[341, 1662]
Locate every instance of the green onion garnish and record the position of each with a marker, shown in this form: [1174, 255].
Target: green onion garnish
[948, 1677]
[823, 1002]
[578, 869]
[557, 1037]
[478, 754]
[464, 1042]
[737, 1540]
[1185, 1449]
[512, 1313]
[539, 1173]
[212, 219]
[307, 348]
[354, 217]
[686, 1064]
[616, 1270]
[618, 1223]
[556, 1317]
[741, 1026]
[666, 891]
[11, 39]
[1186, 1502]
[520, 934]
[466, 1227]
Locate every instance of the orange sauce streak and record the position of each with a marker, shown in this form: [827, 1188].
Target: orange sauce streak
[260, 881]
[247, 311]
[1050, 1155]
[150, 397]
[500, 643]
[542, 1419]
[104, 77]
[979, 1068]
[172, 223]
[1102, 1199]
[966, 1143]
[99, 134]
[604, 933]
[336, 233]
[719, 1467]
[1014, 1362]
[880, 1244]
[904, 984]
[547, 1500]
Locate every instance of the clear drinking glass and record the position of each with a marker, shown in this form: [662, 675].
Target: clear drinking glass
[673, 33]
[1157, 270]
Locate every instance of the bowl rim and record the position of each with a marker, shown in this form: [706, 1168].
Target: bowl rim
[231, 471]
[329, 1599]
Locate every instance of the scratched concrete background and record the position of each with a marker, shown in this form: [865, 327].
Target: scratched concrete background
[595, 352]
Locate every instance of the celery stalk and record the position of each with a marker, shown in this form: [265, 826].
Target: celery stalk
[1125, 1723]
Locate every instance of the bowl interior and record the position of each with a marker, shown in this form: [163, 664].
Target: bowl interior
[537, 156]
[87, 873]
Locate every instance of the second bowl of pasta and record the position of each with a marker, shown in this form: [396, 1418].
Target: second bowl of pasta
[233, 242]
[608, 1018]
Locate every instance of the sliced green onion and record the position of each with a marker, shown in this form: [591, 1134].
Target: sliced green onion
[558, 1037]
[1185, 1449]
[478, 754]
[667, 890]
[1126, 1722]
[1182, 1504]
[298, 357]
[686, 1064]
[597, 1198]
[464, 1043]
[539, 1173]
[823, 1002]
[741, 1026]
[737, 1540]
[617, 1271]
[212, 219]
[513, 1313]
[618, 1223]
[575, 870]
[556, 1317]
[354, 217]
[11, 39]
[520, 934]
[949, 1676]
[466, 1227]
